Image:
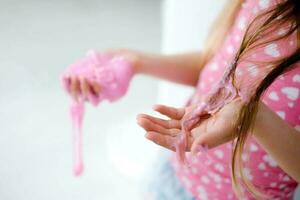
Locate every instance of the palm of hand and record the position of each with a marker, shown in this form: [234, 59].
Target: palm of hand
[212, 130]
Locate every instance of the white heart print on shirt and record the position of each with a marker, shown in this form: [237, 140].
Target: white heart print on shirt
[273, 96]
[248, 174]
[219, 153]
[296, 78]
[268, 159]
[290, 104]
[291, 92]
[263, 4]
[214, 66]
[272, 50]
[262, 166]
[242, 23]
[253, 147]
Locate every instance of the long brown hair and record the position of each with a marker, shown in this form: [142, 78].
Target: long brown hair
[285, 12]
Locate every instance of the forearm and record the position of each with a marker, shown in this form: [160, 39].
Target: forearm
[181, 68]
[279, 139]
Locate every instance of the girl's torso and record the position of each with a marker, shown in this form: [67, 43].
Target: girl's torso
[209, 175]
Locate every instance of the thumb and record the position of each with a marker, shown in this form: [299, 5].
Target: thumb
[208, 138]
[200, 144]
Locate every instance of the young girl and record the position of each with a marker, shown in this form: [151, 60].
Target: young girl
[248, 145]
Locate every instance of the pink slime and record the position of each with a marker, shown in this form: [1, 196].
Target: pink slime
[223, 93]
[112, 73]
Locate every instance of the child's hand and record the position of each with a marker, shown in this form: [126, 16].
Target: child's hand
[164, 132]
[212, 131]
[80, 86]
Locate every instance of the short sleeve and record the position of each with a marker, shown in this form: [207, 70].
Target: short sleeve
[283, 96]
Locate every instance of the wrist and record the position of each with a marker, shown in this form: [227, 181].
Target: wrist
[134, 57]
[141, 62]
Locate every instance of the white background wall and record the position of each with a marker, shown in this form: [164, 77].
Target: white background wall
[38, 40]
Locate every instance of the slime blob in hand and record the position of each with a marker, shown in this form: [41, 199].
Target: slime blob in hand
[113, 73]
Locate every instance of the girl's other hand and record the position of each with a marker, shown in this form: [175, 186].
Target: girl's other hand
[213, 130]
[164, 131]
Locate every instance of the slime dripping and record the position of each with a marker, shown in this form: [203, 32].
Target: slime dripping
[77, 112]
[112, 73]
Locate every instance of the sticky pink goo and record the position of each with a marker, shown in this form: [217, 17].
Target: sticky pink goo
[112, 73]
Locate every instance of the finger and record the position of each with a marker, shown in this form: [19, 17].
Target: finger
[95, 88]
[209, 138]
[162, 122]
[67, 81]
[162, 140]
[74, 88]
[150, 126]
[173, 113]
[84, 87]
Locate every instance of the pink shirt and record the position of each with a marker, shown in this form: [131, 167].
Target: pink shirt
[209, 175]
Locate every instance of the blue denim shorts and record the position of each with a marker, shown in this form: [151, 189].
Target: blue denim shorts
[161, 182]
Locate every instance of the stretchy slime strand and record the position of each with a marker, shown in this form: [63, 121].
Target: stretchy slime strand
[222, 94]
[76, 112]
[112, 73]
